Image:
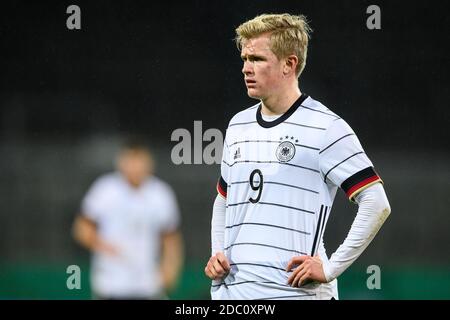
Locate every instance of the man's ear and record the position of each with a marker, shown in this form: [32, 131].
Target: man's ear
[290, 65]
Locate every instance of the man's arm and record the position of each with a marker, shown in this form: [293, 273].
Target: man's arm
[85, 233]
[373, 210]
[218, 225]
[218, 265]
[171, 259]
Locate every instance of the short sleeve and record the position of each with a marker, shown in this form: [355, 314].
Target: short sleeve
[95, 200]
[222, 184]
[171, 218]
[343, 162]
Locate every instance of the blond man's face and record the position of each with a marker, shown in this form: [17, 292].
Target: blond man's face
[263, 71]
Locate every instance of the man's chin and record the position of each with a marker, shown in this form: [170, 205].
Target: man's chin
[252, 94]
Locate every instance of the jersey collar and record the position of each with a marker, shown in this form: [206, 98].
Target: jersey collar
[270, 124]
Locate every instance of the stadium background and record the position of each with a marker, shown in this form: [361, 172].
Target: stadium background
[67, 99]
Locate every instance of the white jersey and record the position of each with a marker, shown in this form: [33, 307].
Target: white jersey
[280, 179]
[132, 220]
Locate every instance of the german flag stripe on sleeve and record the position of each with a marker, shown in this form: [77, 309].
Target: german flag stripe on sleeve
[222, 187]
[360, 181]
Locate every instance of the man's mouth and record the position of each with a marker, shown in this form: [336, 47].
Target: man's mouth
[250, 82]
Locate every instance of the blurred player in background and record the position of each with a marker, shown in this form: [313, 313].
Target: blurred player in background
[283, 160]
[129, 221]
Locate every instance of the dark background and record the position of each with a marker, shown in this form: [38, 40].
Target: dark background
[68, 97]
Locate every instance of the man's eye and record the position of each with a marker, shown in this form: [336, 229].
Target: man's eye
[252, 59]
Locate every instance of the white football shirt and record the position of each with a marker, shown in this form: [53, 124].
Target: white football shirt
[280, 178]
[131, 220]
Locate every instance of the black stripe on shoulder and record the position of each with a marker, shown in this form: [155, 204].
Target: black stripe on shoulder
[241, 123]
[355, 154]
[304, 125]
[320, 111]
[333, 143]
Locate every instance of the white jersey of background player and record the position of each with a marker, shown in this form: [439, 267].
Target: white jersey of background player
[130, 222]
[283, 161]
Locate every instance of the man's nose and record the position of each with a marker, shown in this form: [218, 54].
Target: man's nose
[246, 68]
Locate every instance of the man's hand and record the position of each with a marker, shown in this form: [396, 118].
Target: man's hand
[217, 266]
[106, 248]
[85, 232]
[309, 269]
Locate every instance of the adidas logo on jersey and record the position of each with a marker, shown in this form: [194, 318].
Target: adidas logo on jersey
[237, 154]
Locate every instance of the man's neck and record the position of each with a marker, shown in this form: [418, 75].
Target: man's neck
[279, 105]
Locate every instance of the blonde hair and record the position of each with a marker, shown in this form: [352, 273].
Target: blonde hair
[289, 34]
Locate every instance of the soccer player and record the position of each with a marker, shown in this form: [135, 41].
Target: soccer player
[283, 161]
[129, 221]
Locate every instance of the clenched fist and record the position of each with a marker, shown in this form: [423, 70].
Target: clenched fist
[217, 266]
